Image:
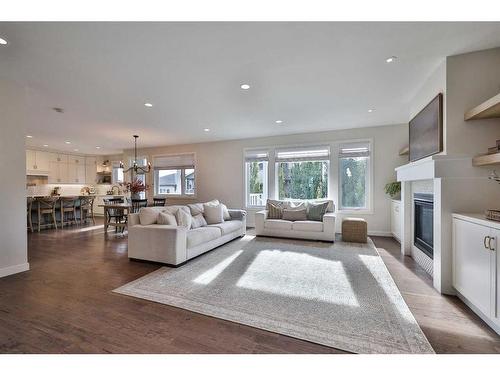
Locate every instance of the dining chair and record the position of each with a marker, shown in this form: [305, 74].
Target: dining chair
[116, 214]
[159, 202]
[47, 206]
[68, 206]
[137, 204]
[87, 209]
[29, 201]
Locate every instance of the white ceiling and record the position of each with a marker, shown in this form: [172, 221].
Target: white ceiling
[313, 76]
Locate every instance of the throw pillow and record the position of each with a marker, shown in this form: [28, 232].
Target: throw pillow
[164, 218]
[148, 215]
[316, 211]
[225, 212]
[294, 215]
[213, 214]
[197, 208]
[183, 219]
[274, 211]
[198, 221]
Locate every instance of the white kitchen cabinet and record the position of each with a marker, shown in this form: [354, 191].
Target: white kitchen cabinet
[76, 173]
[396, 219]
[58, 172]
[37, 162]
[90, 169]
[476, 265]
[76, 160]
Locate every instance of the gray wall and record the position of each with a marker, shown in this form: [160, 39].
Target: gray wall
[220, 165]
[13, 240]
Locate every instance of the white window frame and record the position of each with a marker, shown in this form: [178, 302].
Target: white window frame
[368, 178]
[300, 148]
[182, 195]
[265, 182]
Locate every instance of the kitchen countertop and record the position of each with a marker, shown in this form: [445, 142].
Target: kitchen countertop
[478, 219]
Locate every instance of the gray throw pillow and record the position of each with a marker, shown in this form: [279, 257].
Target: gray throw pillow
[316, 211]
[165, 218]
[183, 219]
[198, 221]
[213, 214]
[294, 215]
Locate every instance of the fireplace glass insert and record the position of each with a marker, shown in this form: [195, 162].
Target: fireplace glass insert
[423, 237]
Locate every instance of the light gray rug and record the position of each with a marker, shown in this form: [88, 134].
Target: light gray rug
[339, 295]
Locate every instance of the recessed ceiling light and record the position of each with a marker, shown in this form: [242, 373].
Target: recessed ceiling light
[98, 147]
[206, 130]
[391, 59]
[149, 105]
[45, 145]
[245, 86]
[29, 136]
[371, 110]
[75, 149]
[3, 42]
[67, 142]
[279, 121]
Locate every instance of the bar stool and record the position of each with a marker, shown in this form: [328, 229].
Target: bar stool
[29, 201]
[159, 202]
[87, 209]
[47, 206]
[68, 205]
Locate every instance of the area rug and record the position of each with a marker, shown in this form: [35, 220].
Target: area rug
[340, 295]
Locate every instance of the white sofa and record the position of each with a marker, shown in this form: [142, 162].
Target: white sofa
[175, 245]
[308, 229]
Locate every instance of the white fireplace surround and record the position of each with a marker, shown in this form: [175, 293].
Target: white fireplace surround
[456, 185]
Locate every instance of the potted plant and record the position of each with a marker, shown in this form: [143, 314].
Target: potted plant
[393, 189]
[135, 187]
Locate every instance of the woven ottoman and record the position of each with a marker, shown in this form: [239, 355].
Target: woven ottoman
[354, 230]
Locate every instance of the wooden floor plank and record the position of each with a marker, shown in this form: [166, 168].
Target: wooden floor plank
[64, 304]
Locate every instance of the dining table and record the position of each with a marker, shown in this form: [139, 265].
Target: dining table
[124, 207]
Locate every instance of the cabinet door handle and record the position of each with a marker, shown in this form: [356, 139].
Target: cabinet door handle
[489, 243]
[484, 242]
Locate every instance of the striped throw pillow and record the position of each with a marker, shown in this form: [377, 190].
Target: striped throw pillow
[274, 211]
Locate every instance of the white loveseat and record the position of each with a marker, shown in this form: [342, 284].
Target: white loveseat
[304, 229]
[175, 245]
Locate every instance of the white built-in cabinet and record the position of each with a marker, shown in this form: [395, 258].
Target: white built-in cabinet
[37, 162]
[476, 265]
[396, 219]
[61, 168]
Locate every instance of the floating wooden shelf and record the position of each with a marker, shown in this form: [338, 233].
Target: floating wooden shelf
[488, 109]
[486, 160]
[404, 151]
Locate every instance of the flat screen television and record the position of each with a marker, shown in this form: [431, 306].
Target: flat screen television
[426, 130]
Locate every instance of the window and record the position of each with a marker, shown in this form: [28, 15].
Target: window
[354, 176]
[117, 174]
[302, 173]
[256, 162]
[174, 175]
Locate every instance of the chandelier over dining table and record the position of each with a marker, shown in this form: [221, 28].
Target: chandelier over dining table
[135, 167]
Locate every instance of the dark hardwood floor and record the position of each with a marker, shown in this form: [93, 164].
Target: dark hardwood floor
[64, 304]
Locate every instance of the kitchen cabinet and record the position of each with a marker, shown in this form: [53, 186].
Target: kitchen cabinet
[90, 169]
[58, 172]
[396, 219]
[476, 265]
[76, 173]
[37, 162]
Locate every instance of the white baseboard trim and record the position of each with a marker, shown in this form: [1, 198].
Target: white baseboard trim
[379, 233]
[6, 271]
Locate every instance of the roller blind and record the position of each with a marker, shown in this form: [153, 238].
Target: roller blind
[256, 155]
[173, 161]
[354, 150]
[314, 153]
